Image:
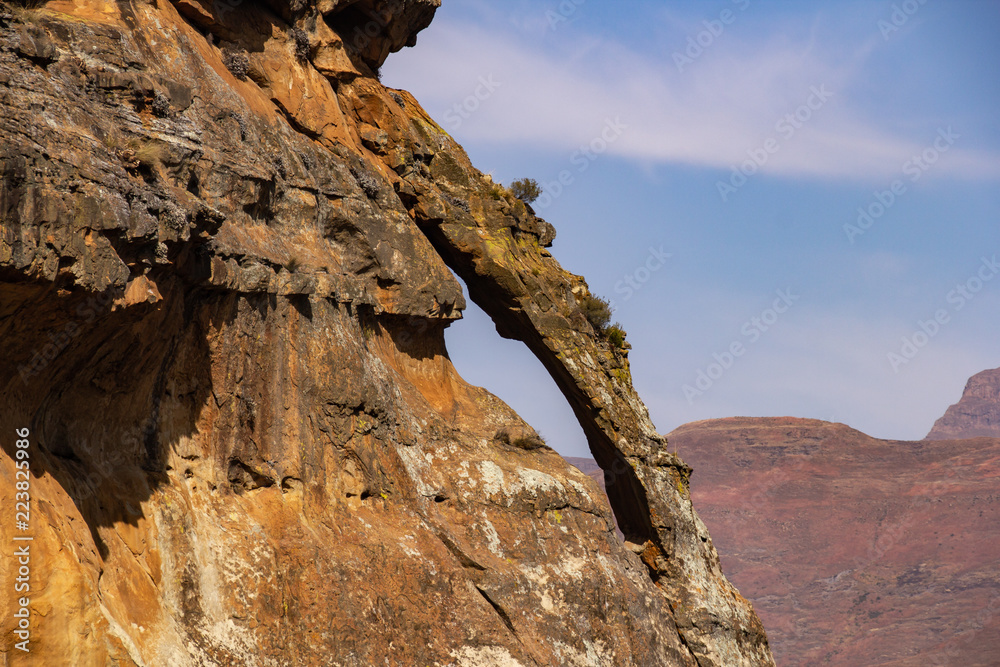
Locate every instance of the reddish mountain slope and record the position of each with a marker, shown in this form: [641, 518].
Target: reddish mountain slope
[854, 551]
[976, 414]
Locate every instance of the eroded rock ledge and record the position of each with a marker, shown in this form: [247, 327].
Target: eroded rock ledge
[224, 255]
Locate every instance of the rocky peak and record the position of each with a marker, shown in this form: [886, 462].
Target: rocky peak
[976, 414]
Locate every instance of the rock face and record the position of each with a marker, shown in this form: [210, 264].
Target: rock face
[589, 468]
[224, 282]
[976, 414]
[855, 551]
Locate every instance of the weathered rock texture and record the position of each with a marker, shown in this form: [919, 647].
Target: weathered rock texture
[589, 468]
[224, 281]
[855, 551]
[976, 414]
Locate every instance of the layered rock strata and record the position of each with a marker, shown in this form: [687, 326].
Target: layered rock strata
[224, 280]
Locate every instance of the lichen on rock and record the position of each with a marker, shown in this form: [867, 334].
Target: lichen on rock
[223, 298]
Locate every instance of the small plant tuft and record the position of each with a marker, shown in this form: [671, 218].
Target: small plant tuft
[368, 183]
[458, 203]
[302, 46]
[237, 62]
[520, 438]
[529, 442]
[597, 312]
[398, 99]
[26, 11]
[308, 161]
[280, 166]
[160, 105]
[293, 264]
[616, 336]
[497, 191]
[150, 154]
[526, 189]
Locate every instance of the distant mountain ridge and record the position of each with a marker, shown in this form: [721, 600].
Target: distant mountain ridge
[855, 550]
[976, 414]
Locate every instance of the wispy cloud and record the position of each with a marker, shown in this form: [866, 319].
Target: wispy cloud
[556, 93]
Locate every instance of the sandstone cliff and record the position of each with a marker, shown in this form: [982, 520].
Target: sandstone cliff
[976, 414]
[224, 281]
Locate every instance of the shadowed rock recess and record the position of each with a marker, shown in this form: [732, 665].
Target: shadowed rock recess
[224, 283]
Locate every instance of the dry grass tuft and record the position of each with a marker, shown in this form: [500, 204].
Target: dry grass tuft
[150, 154]
[521, 439]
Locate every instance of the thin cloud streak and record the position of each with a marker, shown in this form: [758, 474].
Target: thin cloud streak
[710, 115]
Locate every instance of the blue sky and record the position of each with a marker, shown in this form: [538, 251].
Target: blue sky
[741, 138]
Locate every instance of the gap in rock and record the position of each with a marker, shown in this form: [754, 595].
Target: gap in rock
[508, 369]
